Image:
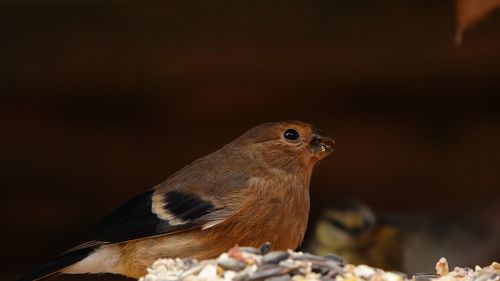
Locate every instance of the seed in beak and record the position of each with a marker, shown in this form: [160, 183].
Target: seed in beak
[325, 148]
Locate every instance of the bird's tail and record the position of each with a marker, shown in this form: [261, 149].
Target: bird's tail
[53, 267]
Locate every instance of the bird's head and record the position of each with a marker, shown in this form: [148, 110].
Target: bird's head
[346, 219]
[286, 144]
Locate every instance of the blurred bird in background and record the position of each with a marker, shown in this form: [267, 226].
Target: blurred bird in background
[410, 243]
[350, 229]
[251, 191]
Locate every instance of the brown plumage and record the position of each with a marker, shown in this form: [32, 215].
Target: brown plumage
[253, 190]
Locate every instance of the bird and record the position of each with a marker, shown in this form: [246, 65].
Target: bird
[349, 228]
[251, 191]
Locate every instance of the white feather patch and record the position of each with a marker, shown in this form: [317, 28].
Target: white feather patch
[158, 209]
[104, 259]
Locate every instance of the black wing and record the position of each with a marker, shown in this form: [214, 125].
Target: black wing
[135, 219]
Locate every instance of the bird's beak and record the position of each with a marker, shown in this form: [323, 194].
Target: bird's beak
[321, 144]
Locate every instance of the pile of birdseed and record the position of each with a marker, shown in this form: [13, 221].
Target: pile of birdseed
[252, 264]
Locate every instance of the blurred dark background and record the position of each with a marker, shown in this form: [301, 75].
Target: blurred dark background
[101, 100]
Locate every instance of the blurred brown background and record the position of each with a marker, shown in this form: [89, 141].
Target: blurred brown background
[101, 100]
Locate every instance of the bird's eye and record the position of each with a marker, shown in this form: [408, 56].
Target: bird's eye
[291, 134]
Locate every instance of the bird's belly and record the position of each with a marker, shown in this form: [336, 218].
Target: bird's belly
[283, 228]
[138, 255]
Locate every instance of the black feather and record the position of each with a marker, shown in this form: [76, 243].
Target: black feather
[135, 220]
[137, 229]
[132, 220]
[200, 210]
[187, 206]
[57, 264]
[136, 208]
